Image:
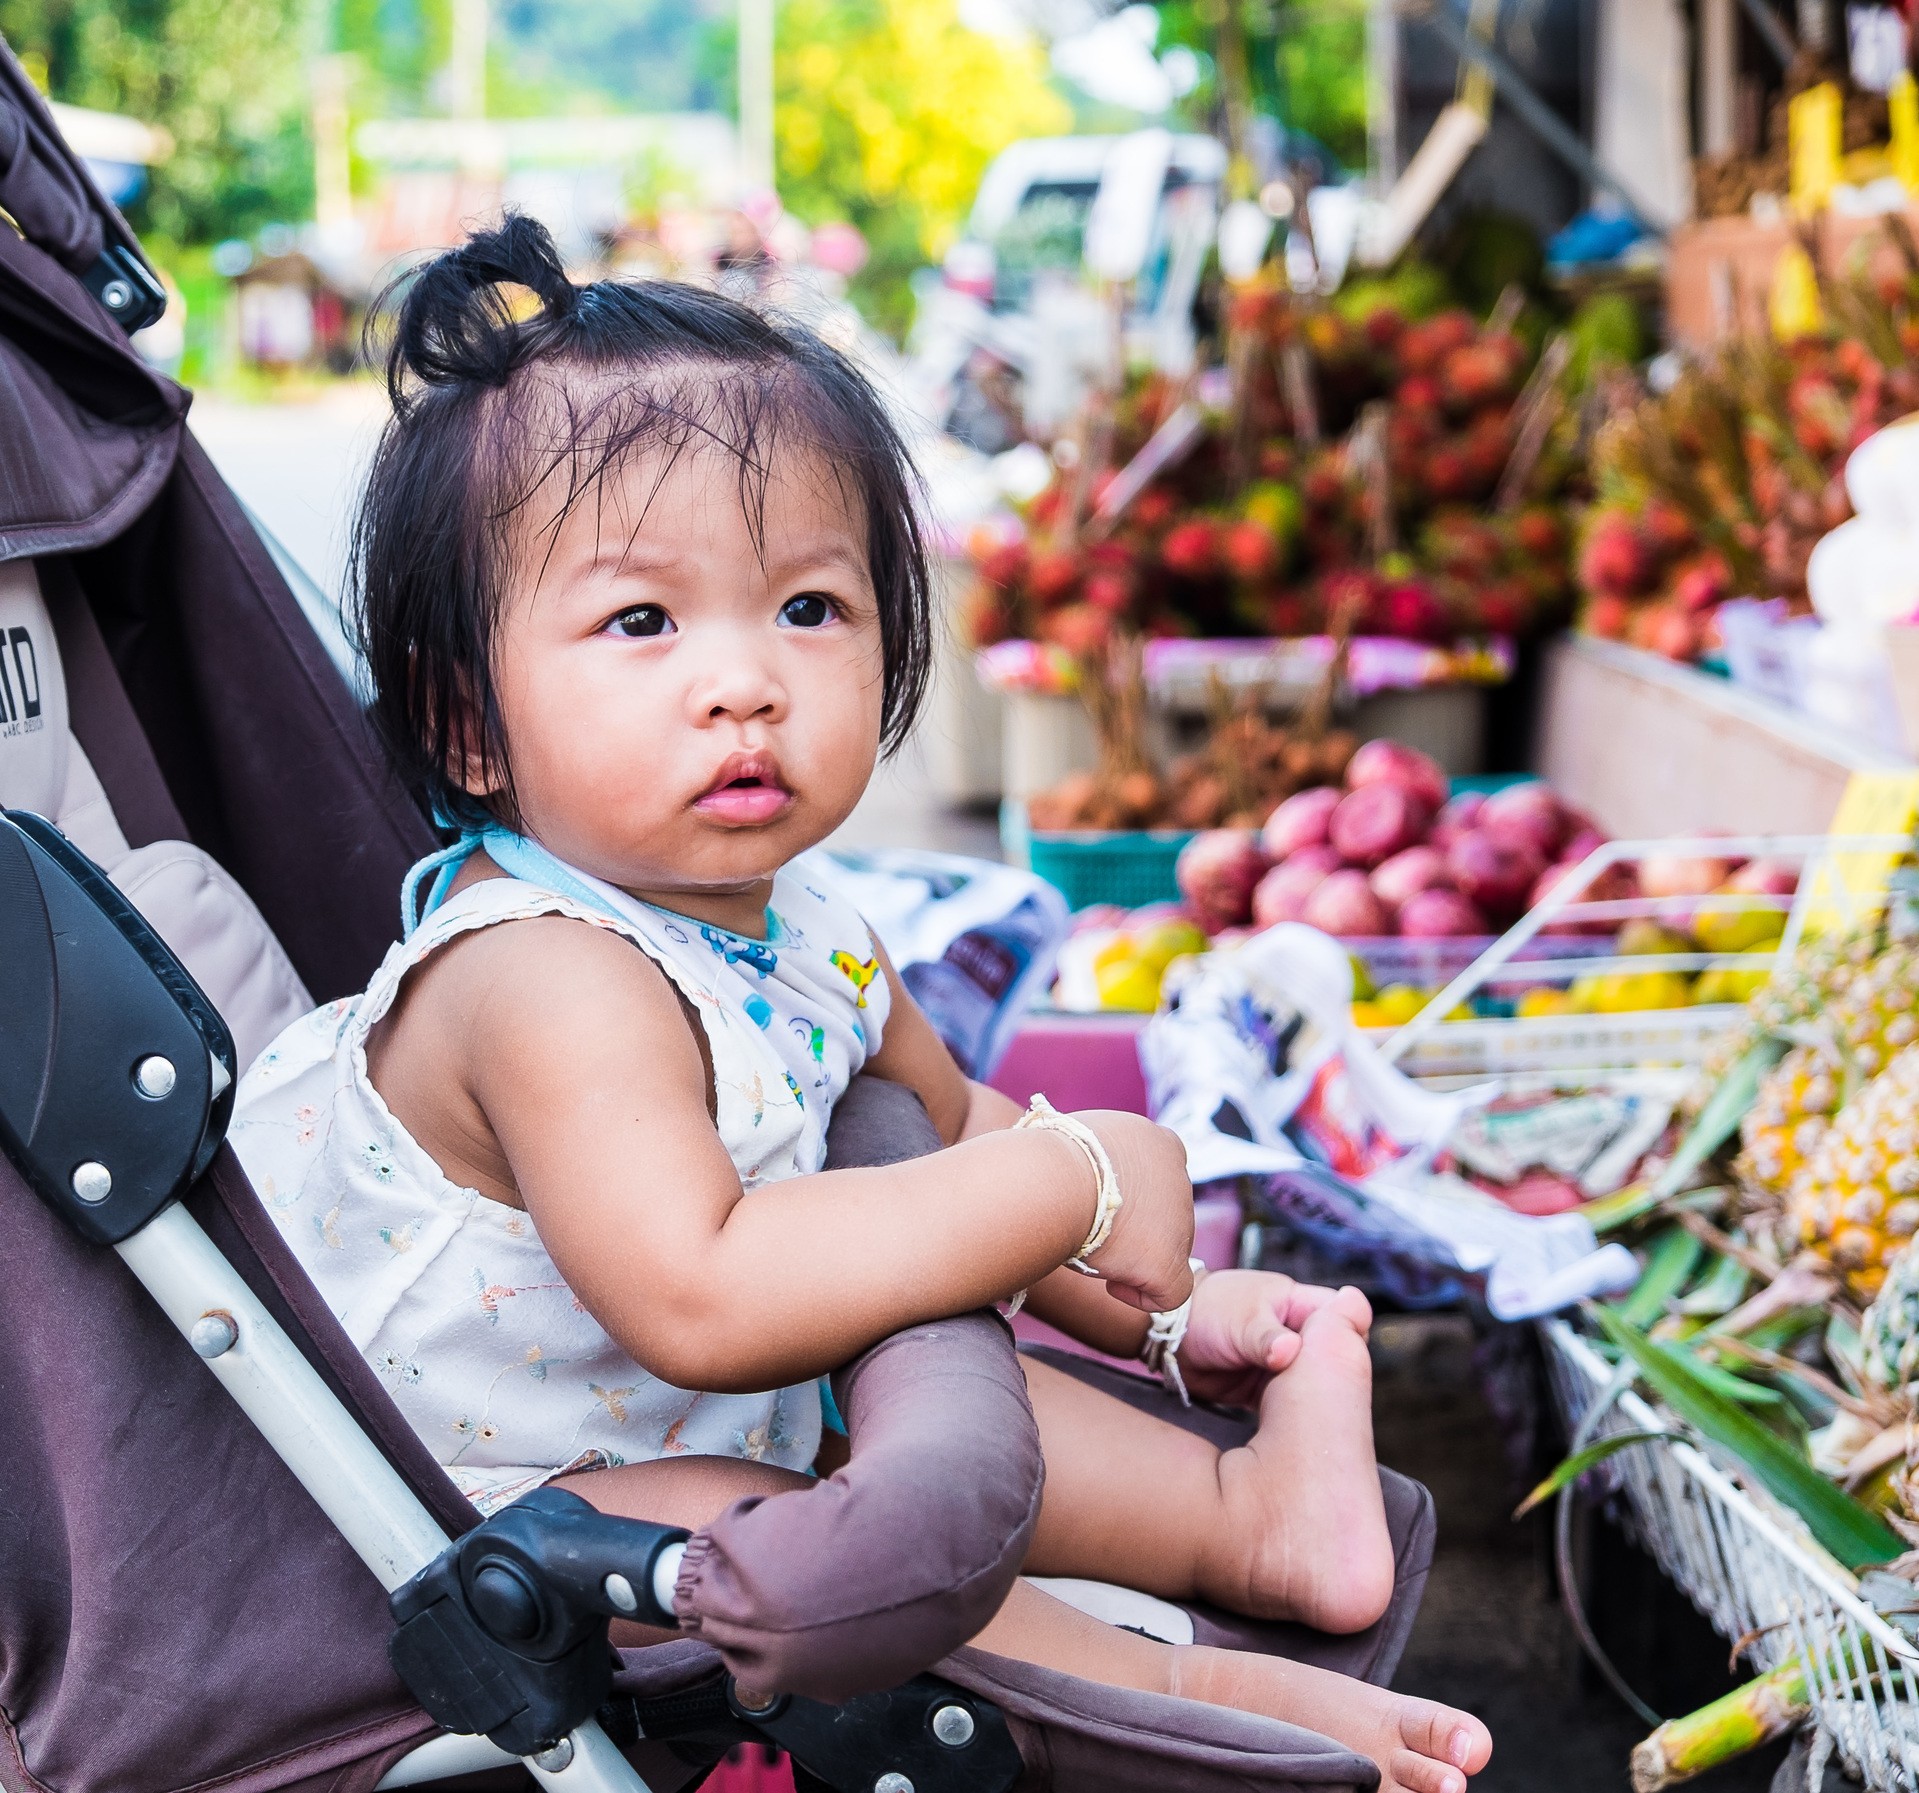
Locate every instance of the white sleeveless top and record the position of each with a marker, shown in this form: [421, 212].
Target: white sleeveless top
[451, 1295]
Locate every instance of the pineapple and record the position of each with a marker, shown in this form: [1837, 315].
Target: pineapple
[1785, 1124]
[1871, 1015]
[1856, 1200]
[1889, 1334]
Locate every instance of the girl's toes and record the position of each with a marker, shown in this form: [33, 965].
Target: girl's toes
[1445, 1736]
[1421, 1774]
[1354, 1306]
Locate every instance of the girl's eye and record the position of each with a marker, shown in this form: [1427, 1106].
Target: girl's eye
[809, 610]
[642, 620]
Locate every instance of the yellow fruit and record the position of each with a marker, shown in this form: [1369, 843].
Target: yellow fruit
[1736, 930]
[1856, 1201]
[1127, 984]
[1160, 946]
[1366, 1014]
[1399, 1003]
[1537, 1003]
[1641, 936]
[1723, 984]
[1630, 992]
[1364, 989]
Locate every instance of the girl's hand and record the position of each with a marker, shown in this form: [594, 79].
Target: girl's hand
[1243, 1331]
[1144, 1259]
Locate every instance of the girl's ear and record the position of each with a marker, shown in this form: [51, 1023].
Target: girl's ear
[469, 763]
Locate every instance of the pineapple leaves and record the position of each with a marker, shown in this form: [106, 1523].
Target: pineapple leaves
[1719, 1119]
[1669, 1266]
[1579, 1462]
[1852, 1534]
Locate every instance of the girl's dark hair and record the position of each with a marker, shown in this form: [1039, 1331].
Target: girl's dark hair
[637, 365]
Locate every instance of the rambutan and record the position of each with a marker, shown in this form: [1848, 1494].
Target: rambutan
[1109, 592]
[1251, 550]
[1703, 582]
[1191, 549]
[1413, 611]
[1820, 422]
[1080, 629]
[1539, 531]
[1478, 374]
[1504, 608]
[1418, 392]
[1154, 508]
[988, 617]
[1323, 487]
[1607, 615]
[1055, 576]
[1289, 614]
[1003, 564]
[1384, 326]
[1447, 472]
[1275, 461]
[1667, 528]
[1424, 345]
[1616, 560]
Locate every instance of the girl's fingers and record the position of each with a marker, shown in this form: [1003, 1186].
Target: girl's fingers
[1282, 1352]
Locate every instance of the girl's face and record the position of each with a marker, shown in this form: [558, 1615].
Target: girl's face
[689, 702]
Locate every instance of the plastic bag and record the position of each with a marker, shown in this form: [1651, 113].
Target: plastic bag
[974, 942]
[1221, 1073]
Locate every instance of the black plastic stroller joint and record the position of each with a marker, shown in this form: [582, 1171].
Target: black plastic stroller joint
[926, 1736]
[504, 1633]
[127, 287]
[116, 1072]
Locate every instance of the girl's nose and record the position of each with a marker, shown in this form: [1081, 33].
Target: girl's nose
[738, 685]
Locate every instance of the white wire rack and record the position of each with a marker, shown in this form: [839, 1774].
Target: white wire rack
[1430, 1046]
[1746, 1562]
[1752, 1569]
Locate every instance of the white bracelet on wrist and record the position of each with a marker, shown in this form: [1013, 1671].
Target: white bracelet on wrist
[1041, 1113]
[1160, 1352]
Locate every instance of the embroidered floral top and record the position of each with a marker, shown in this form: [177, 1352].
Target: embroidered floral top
[451, 1295]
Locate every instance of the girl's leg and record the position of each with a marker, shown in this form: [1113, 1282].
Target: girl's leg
[1290, 1525]
[1419, 1747]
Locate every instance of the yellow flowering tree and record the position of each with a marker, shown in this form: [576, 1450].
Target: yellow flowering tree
[887, 113]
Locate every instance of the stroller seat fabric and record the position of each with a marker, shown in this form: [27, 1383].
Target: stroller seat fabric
[194, 905]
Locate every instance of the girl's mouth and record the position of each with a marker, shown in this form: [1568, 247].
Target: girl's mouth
[748, 790]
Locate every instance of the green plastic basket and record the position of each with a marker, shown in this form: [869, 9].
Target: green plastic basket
[1128, 868]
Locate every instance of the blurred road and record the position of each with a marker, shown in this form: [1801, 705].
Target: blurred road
[298, 466]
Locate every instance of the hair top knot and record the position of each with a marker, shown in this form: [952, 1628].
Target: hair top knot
[478, 312]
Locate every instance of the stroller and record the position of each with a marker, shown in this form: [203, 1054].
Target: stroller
[226, 1561]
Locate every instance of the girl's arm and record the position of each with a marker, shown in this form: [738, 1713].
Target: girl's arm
[913, 1054]
[581, 1066]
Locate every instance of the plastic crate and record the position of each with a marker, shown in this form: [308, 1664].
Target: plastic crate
[1129, 868]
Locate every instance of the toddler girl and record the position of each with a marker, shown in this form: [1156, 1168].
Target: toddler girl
[642, 599]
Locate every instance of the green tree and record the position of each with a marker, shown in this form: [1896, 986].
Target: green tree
[224, 77]
[887, 114]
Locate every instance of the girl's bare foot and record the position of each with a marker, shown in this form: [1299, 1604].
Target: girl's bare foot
[1419, 1746]
[1305, 1535]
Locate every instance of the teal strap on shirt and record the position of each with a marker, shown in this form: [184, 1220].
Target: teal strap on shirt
[515, 854]
[830, 1416]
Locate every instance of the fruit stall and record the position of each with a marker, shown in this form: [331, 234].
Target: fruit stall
[1476, 750]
